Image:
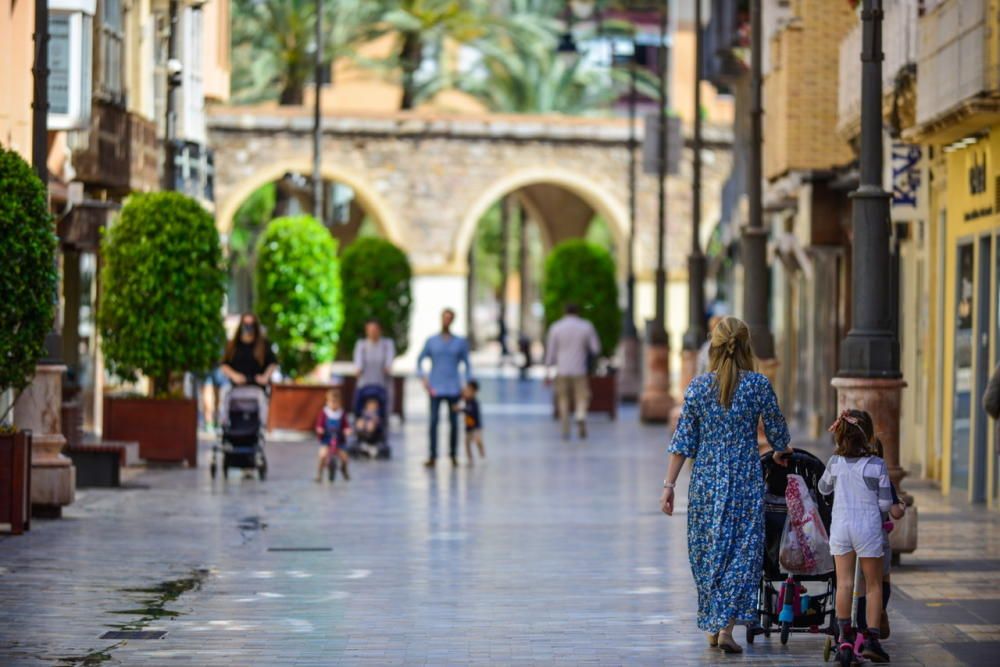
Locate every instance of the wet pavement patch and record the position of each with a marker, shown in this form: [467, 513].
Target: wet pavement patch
[134, 634]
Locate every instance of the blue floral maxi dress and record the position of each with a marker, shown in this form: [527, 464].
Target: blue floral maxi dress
[726, 496]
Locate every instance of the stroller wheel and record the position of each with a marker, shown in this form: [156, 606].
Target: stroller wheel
[262, 471]
[786, 629]
[751, 633]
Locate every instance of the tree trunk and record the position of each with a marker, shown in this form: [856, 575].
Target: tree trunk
[291, 95]
[410, 57]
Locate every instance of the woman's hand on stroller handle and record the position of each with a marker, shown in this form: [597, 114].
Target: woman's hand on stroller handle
[781, 457]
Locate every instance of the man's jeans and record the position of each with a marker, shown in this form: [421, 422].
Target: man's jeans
[436, 402]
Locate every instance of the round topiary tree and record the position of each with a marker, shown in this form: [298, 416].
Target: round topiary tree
[298, 292]
[163, 284]
[583, 273]
[28, 276]
[376, 279]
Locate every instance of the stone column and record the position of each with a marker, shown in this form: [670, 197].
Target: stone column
[39, 409]
[881, 398]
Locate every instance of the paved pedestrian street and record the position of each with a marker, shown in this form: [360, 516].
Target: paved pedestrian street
[547, 552]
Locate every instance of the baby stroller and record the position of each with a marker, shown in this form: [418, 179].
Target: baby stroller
[372, 444]
[782, 601]
[242, 442]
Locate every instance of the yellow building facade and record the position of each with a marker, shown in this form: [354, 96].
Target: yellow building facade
[958, 124]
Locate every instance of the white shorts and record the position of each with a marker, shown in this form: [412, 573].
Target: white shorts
[862, 537]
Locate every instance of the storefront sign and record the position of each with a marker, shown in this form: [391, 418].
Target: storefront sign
[906, 177]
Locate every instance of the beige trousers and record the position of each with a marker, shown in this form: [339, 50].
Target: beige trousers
[575, 388]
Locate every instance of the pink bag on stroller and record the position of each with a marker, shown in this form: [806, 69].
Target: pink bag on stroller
[805, 545]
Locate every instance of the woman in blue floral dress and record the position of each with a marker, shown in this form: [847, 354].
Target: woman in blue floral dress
[718, 429]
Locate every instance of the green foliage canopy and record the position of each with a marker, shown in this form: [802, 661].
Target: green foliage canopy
[299, 292]
[27, 271]
[583, 273]
[163, 284]
[376, 279]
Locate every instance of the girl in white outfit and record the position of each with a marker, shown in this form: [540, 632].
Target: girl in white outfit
[860, 484]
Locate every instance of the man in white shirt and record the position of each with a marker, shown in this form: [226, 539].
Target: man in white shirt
[570, 342]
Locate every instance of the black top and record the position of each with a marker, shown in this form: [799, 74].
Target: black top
[473, 419]
[245, 363]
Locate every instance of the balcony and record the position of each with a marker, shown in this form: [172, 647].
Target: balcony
[117, 152]
[900, 31]
[953, 61]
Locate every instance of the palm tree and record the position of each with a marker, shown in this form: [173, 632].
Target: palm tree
[274, 43]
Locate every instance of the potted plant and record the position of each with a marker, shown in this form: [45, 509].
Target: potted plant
[162, 290]
[28, 282]
[297, 280]
[375, 276]
[584, 273]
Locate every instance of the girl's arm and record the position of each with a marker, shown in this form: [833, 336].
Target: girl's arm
[828, 480]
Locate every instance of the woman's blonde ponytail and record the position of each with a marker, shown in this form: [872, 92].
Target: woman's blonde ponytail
[730, 353]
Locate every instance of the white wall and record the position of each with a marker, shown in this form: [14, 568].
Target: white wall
[431, 295]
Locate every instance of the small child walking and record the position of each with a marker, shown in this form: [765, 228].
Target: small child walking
[859, 481]
[896, 512]
[473, 420]
[332, 430]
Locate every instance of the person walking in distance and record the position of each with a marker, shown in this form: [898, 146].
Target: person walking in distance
[571, 342]
[446, 352]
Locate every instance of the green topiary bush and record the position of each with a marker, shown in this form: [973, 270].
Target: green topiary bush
[583, 273]
[163, 284]
[376, 279]
[28, 276]
[298, 292]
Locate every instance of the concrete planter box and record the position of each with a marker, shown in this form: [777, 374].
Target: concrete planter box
[165, 428]
[15, 482]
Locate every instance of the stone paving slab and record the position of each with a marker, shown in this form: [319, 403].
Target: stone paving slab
[546, 553]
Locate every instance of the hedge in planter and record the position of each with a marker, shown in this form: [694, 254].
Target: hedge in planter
[298, 292]
[375, 276]
[583, 273]
[28, 276]
[163, 284]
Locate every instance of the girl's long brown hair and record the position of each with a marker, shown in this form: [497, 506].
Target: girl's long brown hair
[853, 433]
[259, 343]
[729, 354]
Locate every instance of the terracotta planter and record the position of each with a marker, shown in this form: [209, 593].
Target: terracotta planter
[15, 482]
[603, 396]
[166, 429]
[294, 407]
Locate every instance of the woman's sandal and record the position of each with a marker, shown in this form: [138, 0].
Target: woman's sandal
[727, 644]
[713, 638]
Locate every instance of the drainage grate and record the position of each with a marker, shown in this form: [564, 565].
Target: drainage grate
[300, 548]
[134, 634]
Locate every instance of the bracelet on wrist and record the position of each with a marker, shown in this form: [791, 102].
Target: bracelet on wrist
[669, 485]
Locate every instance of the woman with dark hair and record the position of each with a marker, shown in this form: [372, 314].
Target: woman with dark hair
[249, 361]
[718, 429]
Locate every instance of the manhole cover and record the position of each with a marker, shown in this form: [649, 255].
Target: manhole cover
[300, 548]
[134, 634]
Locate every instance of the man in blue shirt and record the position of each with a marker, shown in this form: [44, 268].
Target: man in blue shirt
[444, 384]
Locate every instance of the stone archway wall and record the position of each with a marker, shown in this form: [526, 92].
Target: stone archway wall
[428, 180]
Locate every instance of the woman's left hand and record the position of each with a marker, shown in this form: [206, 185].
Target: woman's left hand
[262, 379]
[781, 458]
[667, 502]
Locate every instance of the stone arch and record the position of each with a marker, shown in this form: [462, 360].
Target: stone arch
[593, 194]
[386, 219]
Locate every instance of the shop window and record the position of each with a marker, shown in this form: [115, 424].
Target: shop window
[962, 401]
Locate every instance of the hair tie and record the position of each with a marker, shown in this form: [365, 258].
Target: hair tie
[844, 416]
[731, 347]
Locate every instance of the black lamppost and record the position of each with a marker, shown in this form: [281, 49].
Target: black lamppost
[317, 174]
[869, 377]
[696, 333]
[629, 381]
[40, 103]
[756, 283]
[655, 402]
[173, 83]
